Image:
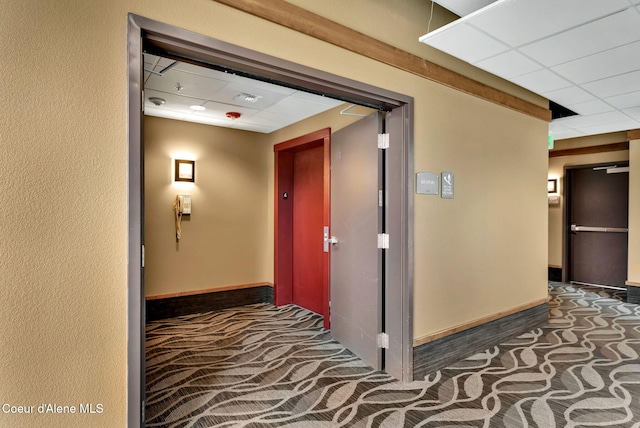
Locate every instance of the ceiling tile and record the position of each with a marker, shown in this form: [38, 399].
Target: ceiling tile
[230, 94]
[590, 107]
[331, 102]
[297, 107]
[219, 111]
[270, 118]
[464, 42]
[193, 85]
[265, 129]
[463, 7]
[542, 81]
[611, 127]
[509, 64]
[634, 113]
[595, 119]
[613, 62]
[570, 95]
[615, 85]
[151, 110]
[520, 22]
[623, 101]
[620, 28]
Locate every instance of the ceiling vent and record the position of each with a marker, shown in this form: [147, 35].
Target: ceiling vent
[247, 97]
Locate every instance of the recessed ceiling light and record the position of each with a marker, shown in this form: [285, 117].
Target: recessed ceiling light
[245, 96]
[197, 108]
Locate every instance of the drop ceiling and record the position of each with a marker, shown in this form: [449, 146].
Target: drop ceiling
[581, 54]
[263, 107]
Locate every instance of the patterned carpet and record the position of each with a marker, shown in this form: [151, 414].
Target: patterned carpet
[261, 366]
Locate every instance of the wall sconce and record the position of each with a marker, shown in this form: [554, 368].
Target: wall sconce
[185, 170]
[552, 185]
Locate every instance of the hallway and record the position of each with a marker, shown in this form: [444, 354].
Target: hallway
[260, 366]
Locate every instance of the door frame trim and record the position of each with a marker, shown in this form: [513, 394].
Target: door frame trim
[283, 260]
[174, 42]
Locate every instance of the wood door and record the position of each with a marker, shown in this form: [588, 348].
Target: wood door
[598, 204]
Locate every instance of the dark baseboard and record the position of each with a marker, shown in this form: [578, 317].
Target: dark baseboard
[555, 274]
[633, 294]
[169, 307]
[441, 353]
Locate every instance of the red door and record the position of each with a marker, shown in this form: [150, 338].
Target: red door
[302, 198]
[308, 200]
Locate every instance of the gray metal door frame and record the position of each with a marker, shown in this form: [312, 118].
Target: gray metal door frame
[170, 41]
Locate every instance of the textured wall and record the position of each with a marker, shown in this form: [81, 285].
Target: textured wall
[224, 241]
[63, 251]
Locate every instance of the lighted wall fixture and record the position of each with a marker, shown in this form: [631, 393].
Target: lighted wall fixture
[185, 170]
[552, 185]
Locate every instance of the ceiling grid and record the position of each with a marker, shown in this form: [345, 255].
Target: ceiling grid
[581, 54]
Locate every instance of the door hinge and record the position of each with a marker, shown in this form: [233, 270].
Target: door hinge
[142, 255]
[142, 100]
[383, 340]
[383, 241]
[383, 141]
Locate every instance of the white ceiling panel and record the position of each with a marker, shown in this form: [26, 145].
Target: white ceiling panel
[267, 118]
[219, 92]
[632, 99]
[634, 113]
[220, 110]
[594, 119]
[623, 59]
[193, 85]
[520, 22]
[542, 81]
[610, 127]
[297, 107]
[582, 54]
[235, 93]
[509, 64]
[468, 43]
[620, 29]
[616, 85]
[570, 95]
[590, 107]
[463, 7]
[161, 112]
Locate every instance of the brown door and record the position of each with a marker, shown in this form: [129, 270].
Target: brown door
[598, 206]
[302, 198]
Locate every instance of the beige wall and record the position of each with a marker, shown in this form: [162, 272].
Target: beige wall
[556, 170]
[228, 240]
[63, 264]
[224, 241]
[634, 213]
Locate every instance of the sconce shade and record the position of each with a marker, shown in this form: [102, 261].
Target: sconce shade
[185, 170]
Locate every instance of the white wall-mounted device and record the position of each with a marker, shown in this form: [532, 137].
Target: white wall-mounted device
[184, 204]
[181, 206]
